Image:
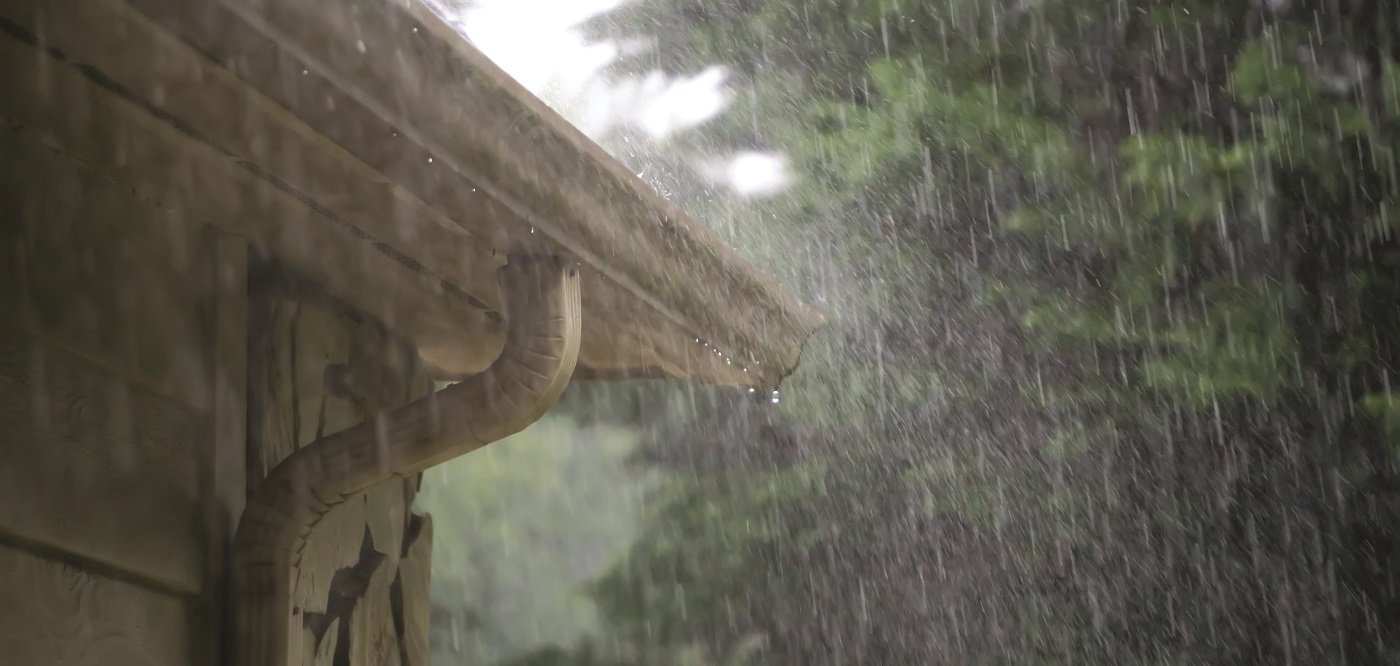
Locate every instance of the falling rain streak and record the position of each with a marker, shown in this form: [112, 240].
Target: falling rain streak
[1105, 379]
[1111, 293]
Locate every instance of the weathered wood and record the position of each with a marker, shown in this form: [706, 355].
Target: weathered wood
[415, 589]
[269, 437]
[14, 292]
[230, 381]
[46, 103]
[373, 639]
[385, 515]
[295, 343]
[320, 369]
[333, 545]
[112, 276]
[223, 456]
[158, 69]
[97, 467]
[322, 654]
[476, 152]
[531, 373]
[55, 614]
[448, 98]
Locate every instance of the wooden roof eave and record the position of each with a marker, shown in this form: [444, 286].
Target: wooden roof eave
[364, 102]
[109, 89]
[450, 104]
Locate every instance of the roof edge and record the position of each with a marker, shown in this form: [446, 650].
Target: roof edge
[402, 60]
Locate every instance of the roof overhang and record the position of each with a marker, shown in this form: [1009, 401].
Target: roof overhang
[380, 154]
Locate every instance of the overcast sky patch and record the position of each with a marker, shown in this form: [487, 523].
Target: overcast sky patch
[541, 45]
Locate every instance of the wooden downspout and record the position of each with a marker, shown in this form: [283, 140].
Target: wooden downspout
[543, 322]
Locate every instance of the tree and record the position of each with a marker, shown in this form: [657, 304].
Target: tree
[518, 526]
[1108, 376]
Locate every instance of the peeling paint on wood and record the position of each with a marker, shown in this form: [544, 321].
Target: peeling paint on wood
[317, 370]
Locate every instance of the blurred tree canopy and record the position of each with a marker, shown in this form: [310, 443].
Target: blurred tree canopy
[1113, 290]
[517, 523]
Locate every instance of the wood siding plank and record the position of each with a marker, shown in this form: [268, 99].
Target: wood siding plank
[97, 467]
[317, 369]
[108, 274]
[55, 614]
[223, 459]
[53, 110]
[415, 584]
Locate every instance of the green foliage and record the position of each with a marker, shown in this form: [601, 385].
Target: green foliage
[1110, 286]
[1385, 409]
[518, 526]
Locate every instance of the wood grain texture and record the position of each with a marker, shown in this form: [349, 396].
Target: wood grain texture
[373, 638]
[14, 290]
[223, 453]
[97, 467]
[322, 654]
[543, 323]
[415, 584]
[321, 370]
[446, 97]
[385, 515]
[55, 106]
[333, 545]
[55, 614]
[260, 127]
[294, 344]
[108, 274]
[502, 164]
[230, 382]
[270, 437]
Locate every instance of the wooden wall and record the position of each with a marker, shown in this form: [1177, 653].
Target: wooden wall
[361, 592]
[119, 397]
[129, 441]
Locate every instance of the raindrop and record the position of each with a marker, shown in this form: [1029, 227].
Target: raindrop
[360, 44]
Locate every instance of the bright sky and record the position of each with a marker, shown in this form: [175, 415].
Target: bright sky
[539, 43]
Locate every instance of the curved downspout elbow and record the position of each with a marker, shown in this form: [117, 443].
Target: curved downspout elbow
[543, 322]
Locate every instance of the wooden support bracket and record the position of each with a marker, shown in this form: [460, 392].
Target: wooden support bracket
[543, 322]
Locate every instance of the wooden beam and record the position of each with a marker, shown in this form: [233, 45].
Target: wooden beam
[373, 638]
[63, 616]
[415, 585]
[99, 468]
[531, 373]
[78, 110]
[107, 274]
[223, 456]
[449, 99]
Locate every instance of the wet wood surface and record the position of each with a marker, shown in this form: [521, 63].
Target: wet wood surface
[60, 615]
[318, 371]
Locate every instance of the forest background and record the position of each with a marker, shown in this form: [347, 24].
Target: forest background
[1112, 295]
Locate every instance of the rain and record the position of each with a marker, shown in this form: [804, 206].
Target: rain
[1104, 378]
[1106, 292]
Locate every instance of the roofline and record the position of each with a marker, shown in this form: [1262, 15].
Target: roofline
[408, 66]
